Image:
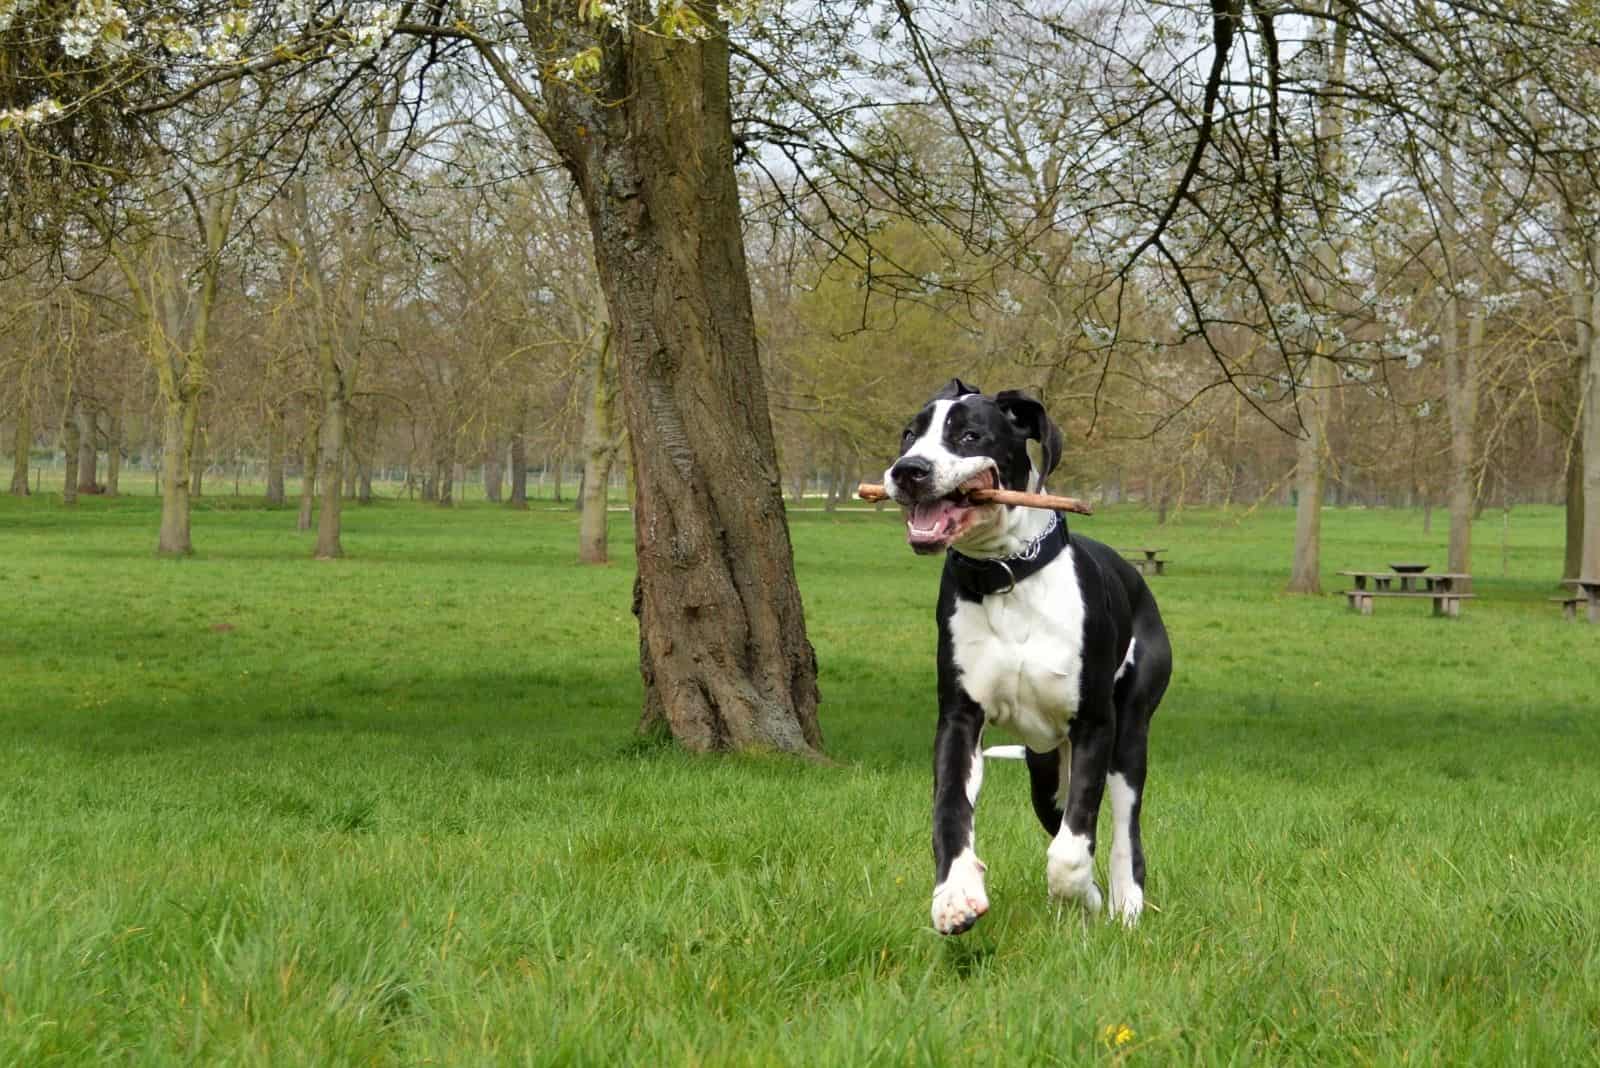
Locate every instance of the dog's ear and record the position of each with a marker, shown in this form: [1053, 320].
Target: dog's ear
[1029, 416]
[954, 389]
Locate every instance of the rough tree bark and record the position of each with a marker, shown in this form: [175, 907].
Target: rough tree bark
[722, 639]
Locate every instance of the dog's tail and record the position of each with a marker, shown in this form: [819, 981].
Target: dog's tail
[1005, 752]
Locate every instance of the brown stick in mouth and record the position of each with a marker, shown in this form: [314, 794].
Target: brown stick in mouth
[869, 491]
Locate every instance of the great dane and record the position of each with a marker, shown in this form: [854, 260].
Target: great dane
[1050, 635]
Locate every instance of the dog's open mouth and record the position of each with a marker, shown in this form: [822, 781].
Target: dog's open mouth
[931, 526]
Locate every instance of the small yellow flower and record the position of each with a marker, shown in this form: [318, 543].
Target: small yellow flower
[1117, 1035]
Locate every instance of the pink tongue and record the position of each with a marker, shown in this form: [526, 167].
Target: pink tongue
[931, 522]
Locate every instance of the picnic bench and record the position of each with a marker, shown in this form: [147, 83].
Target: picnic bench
[1150, 563]
[1586, 591]
[1446, 589]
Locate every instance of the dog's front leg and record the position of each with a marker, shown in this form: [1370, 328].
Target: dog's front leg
[1069, 868]
[958, 893]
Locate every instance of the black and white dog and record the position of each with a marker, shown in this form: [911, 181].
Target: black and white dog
[1052, 636]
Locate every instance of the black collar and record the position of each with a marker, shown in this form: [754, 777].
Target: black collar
[978, 578]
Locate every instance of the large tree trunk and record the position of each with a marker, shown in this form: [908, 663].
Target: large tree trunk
[21, 443]
[179, 416]
[330, 466]
[88, 450]
[113, 483]
[722, 639]
[275, 442]
[599, 449]
[71, 439]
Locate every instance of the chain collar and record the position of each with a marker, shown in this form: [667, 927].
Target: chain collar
[977, 578]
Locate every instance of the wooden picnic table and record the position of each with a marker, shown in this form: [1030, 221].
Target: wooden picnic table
[1447, 589]
[1586, 591]
[1151, 564]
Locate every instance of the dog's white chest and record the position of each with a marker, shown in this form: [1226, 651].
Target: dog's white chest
[1021, 654]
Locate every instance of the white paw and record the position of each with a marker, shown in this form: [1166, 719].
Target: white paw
[960, 899]
[1127, 902]
[1069, 871]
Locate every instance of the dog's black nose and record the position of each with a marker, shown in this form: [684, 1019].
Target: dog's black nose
[911, 471]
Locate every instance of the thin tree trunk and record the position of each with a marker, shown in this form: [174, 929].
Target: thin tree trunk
[1572, 561]
[519, 463]
[1589, 380]
[330, 466]
[275, 442]
[1461, 357]
[722, 640]
[308, 478]
[21, 444]
[599, 449]
[444, 475]
[113, 483]
[1306, 574]
[71, 440]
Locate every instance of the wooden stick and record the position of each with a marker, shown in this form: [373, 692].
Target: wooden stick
[868, 491]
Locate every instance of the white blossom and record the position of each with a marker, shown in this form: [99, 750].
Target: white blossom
[34, 114]
[95, 23]
[10, 9]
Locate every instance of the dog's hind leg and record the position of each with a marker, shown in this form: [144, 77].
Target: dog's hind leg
[959, 897]
[1140, 685]
[1126, 786]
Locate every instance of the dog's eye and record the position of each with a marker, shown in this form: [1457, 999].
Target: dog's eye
[970, 437]
[908, 435]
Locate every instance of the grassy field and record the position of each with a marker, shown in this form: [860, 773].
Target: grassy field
[260, 810]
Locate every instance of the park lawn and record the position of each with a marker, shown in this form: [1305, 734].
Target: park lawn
[256, 809]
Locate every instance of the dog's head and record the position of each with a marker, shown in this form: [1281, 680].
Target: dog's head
[964, 440]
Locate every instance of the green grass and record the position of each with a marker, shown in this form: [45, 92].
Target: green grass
[256, 809]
